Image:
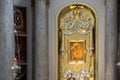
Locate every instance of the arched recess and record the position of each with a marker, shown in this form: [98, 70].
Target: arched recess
[76, 43]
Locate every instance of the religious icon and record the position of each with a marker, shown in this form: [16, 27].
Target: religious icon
[77, 50]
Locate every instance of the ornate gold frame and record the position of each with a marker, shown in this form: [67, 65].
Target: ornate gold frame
[96, 36]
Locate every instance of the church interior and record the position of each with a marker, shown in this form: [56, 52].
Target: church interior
[59, 40]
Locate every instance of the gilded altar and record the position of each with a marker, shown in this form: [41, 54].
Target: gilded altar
[76, 43]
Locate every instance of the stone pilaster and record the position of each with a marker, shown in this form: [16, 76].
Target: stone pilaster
[41, 41]
[6, 39]
[111, 40]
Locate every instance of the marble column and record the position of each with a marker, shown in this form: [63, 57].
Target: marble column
[119, 38]
[111, 40]
[6, 39]
[41, 41]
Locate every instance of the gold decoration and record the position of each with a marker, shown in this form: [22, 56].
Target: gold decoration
[76, 53]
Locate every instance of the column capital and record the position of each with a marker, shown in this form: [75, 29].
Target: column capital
[44, 1]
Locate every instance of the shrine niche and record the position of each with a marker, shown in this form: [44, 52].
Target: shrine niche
[76, 43]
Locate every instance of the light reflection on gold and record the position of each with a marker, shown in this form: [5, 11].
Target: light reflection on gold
[77, 50]
[83, 30]
[71, 7]
[76, 6]
[76, 16]
[81, 7]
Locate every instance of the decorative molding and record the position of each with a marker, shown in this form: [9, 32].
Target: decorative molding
[33, 3]
[79, 19]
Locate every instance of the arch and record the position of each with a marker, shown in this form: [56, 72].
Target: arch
[75, 21]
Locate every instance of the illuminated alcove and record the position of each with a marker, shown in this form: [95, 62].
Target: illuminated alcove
[76, 41]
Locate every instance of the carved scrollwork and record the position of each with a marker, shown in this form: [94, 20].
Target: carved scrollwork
[84, 22]
[18, 18]
[78, 20]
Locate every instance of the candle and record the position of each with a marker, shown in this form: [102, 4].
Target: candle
[15, 59]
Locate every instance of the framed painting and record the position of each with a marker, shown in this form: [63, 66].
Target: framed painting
[77, 51]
